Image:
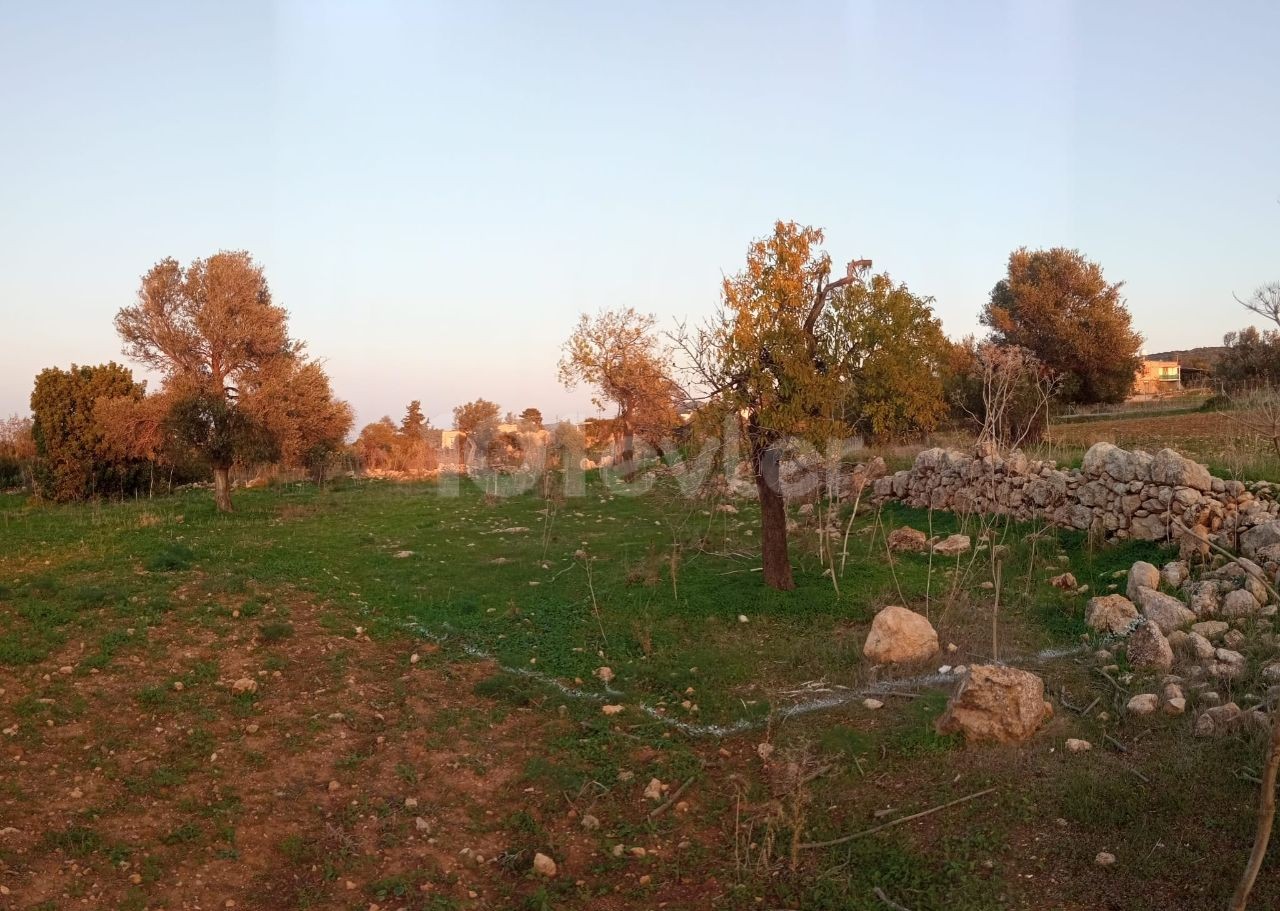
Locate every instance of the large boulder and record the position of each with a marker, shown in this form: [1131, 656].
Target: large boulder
[907, 540]
[994, 703]
[1141, 575]
[900, 636]
[1163, 610]
[1149, 650]
[1258, 537]
[1175, 470]
[1110, 614]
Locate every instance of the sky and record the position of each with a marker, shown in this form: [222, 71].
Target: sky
[436, 191]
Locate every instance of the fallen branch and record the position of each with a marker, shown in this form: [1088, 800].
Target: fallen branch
[929, 812]
[1266, 819]
[670, 801]
[879, 893]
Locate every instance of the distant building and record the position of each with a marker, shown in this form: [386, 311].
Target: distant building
[1157, 378]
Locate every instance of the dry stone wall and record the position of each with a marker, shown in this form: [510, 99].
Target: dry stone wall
[1122, 494]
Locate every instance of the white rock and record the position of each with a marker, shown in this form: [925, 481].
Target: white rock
[1143, 704]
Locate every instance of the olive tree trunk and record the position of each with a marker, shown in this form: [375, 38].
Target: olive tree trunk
[222, 488]
[773, 521]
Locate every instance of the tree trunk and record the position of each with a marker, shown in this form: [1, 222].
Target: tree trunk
[773, 522]
[222, 488]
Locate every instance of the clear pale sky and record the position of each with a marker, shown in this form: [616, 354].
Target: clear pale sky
[437, 190]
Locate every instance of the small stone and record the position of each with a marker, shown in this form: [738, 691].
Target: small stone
[1066, 582]
[653, 790]
[1143, 704]
[410, 803]
[333, 785]
[421, 824]
[415, 658]
[1175, 706]
[244, 685]
[645, 879]
[742, 618]
[590, 823]
[611, 709]
[1076, 745]
[1210, 629]
[544, 865]
[177, 686]
[1141, 575]
[907, 540]
[605, 675]
[872, 704]
[763, 750]
[953, 545]
[1104, 859]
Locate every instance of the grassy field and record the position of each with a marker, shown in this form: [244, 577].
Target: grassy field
[419, 714]
[1221, 439]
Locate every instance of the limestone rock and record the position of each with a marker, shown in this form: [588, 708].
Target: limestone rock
[1170, 468]
[1066, 582]
[907, 540]
[1217, 721]
[1198, 646]
[1163, 610]
[544, 865]
[953, 545]
[1240, 603]
[1258, 537]
[1076, 745]
[996, 703]
[900, 636]
[1110, 614]
[1143, 704]
[1210, 629]
[1149, 650]
[1174, 573]
[1141, 575]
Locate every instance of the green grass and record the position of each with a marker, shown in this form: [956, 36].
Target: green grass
[110, 576]
[524, 597]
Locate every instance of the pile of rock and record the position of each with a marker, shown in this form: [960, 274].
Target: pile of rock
[1201, 630]
[1120, 493]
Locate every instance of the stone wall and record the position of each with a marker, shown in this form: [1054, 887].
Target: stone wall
[1119, 493]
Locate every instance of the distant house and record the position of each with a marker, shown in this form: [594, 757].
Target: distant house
[1157, 378]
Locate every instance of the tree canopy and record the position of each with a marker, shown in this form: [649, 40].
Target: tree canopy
[618, 353]
[1058, 305]
[894, 354]
[73, 460]
[773, 355]
[236, 385]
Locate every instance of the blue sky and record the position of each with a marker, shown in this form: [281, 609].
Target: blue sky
[437, 190]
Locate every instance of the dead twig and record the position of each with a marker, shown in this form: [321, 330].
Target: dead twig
[670, 801]
[929, 812]
[1266, 819]
[879, 893]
